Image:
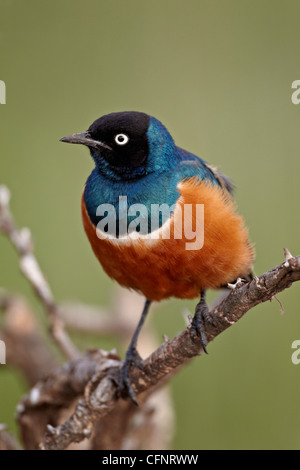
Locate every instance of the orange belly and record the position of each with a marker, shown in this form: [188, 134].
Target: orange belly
[165, 268]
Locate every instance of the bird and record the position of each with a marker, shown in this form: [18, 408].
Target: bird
[142, 191]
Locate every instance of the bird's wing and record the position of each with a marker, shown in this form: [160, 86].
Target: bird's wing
[191, 165]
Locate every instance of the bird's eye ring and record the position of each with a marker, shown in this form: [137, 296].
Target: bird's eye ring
[121, 139]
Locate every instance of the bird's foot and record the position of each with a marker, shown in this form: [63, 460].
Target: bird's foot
[201, 317]
[125, 386]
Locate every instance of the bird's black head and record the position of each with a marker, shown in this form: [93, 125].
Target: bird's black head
[128, 145]
[118, 142]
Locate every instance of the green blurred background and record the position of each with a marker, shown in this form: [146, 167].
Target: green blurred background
[218, 74]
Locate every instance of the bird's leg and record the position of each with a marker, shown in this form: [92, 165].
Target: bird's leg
[201, 317]
[132, 358]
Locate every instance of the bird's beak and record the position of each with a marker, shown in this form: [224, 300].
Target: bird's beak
[84, 138]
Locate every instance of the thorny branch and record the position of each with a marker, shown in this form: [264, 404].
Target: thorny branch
[73, 402]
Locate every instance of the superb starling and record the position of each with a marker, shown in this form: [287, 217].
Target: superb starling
[160, 220]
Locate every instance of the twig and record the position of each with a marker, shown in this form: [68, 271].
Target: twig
[51, 398]
[102, 395]
[7, 440]
[48, 399]
[93, 319]
[22, 241]
[26, 349]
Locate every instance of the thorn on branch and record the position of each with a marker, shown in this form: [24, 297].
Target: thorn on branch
[287, 256]
[239, 282]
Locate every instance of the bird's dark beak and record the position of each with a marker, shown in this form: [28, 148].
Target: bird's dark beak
[84, 138]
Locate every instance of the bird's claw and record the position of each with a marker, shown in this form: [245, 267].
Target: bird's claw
[197, 327]
[125, 386]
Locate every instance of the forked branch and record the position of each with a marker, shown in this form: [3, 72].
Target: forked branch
[80, 394]
[98, 392]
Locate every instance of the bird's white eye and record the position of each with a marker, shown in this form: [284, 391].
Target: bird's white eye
[121, 139]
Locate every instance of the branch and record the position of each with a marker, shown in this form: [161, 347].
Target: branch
[7, 440]
[80, 399]
[25, 347]
[50, 400]
[27, 350]
[22, 241]
[98, 390]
